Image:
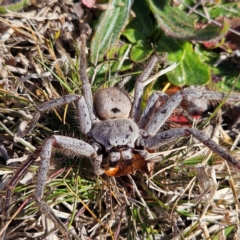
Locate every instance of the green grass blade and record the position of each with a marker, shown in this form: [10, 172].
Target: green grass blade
[109, 28]
[13, 7]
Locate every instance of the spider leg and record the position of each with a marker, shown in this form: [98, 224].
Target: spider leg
[193, 100]
[70, 146]
[85, 103]
[87, 90]
[166, 137]
[233, 98]
[164, 113]
[143, 81]
[83, 112]
[197, 101]
[139, 86]
[155, 101]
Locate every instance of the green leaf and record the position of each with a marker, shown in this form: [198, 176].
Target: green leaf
[140, 52]
[117, 62]
[109, 28]
[227, 232]
[194, 161]
[127, 65]
[227, 74]
[228, 10]
[224, 75]
[139, 32]
[185, 213]
[133, 35]
[178, 24]
[191, 70]
[142, 22]
[15, 6]
[116, 55]
[113, 52]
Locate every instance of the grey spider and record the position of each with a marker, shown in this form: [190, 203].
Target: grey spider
[117, 128]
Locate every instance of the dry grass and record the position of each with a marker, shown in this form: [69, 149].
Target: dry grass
[192, 194]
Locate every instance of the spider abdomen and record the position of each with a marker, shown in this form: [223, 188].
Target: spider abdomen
[111, 103]
[115, 133]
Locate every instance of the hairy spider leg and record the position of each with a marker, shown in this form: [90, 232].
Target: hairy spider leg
[142, 81]
[87, 90]
[169, 136]
[83, 112]
[85, 103]
[164, 113]
[70, 146]
[155, 101]
[139, 86]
